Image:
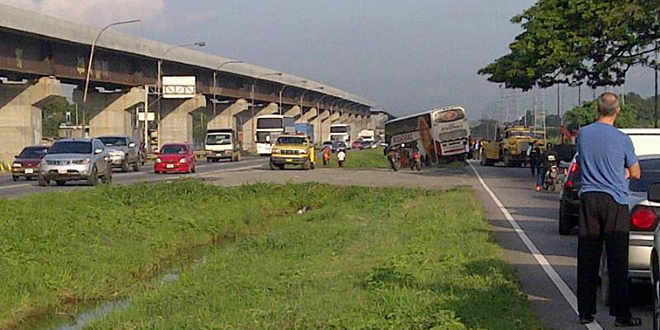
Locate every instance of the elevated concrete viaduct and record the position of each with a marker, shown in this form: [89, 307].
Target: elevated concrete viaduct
[36, 46]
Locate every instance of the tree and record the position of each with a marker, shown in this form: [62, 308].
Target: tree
[587, 113]
[578, 41]
[53, 113]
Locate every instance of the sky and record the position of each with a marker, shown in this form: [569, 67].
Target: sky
[405, 56]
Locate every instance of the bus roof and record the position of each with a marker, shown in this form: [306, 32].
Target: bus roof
[426, 112]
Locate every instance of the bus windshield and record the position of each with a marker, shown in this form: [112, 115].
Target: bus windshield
[269, 123]
[338, 129]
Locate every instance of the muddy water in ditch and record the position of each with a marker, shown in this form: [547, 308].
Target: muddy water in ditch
[104, 309]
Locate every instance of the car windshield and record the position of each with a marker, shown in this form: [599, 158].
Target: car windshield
[518, 134]
[290, 140]
[327, 143]
[32, 153]
[218, 139]
[110, 141]
[71, 147]
[650, 175]
[173, 149]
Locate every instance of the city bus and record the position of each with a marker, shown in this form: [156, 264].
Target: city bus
[269, 127]
[340, 132]
[441, 134]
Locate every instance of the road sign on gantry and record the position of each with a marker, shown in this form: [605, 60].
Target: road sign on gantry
[178, 87]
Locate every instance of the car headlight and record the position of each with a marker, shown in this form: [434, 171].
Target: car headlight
[302, 152]
[81, 161]
[158, 160]
[116, 153]
[276, 151]
[17, 165]
[182, 161]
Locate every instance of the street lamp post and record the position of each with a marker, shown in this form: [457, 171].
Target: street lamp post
[215, 80]
[89, 68]
[282, 91]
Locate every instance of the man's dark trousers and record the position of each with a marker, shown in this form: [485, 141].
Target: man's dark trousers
[602, 219]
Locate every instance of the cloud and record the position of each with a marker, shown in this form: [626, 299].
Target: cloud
[94, 12]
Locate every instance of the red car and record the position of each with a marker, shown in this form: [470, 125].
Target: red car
[175, 158]
[27, 162]
[357, 144]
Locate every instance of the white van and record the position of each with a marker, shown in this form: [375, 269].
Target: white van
[645, 140]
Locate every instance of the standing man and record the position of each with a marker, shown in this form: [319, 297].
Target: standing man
[607, 160]
[534, 157]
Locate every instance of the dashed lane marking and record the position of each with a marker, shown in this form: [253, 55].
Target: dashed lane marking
[540, 258]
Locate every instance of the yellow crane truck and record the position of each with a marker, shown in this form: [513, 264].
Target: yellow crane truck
[293, 150]
[509, 148]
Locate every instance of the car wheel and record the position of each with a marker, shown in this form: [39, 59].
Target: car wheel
[238, 157]
[604, 280]
[60, 182]
[312, 165]
[565, 223]
[136, 167]
[193, 169]
[93, 179]
[14, 177]
[656, 292]
[43, 182]
[124, 166]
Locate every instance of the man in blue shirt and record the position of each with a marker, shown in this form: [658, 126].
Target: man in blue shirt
[607, 160]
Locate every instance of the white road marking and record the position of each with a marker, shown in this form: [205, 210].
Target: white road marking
[15, 186]
[540, 258]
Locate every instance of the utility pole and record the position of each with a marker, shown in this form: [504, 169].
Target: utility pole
[559, 104]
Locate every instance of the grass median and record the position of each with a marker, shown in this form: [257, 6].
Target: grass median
[368, 158]
[356, 258]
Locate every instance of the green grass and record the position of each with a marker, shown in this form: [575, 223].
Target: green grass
[359, 258]
[369, 158]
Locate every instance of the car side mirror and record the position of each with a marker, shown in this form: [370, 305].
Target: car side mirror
[98, 151]
[654, 193]
[131, 145]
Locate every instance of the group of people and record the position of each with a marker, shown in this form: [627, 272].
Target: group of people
[475, 146]
[402, 157]
[326, 153]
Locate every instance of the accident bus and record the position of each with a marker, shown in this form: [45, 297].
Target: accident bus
[440, 135]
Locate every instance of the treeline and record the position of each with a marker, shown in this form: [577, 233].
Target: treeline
[636, 112]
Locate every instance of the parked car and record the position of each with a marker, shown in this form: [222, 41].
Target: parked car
[328, 144]
[653, 198]
[75, 159]
[26, 164]
[340, 145]
[643, 222]
[357, 144]
[175, 158]
[368, 144]
[123, 152]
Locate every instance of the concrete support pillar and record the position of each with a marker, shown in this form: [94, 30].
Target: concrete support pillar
[294, 111]
[20, 114]
[317, 122]
[111, 113]
[307, 116]
[325, 125]
[224, 117]
[250, 125]
[176, 120]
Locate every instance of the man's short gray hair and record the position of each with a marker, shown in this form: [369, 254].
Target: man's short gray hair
[608, 103]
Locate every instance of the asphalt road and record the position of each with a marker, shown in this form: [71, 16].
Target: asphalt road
[9, 188]
[536, 213]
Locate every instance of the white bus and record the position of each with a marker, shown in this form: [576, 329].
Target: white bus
[269, 127]
[439, 134]
[340, 132]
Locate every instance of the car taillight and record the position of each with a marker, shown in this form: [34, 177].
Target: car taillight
[643, 219]
[572, 172]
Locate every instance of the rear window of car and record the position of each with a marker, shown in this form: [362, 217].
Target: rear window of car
[71, 147]
[173, 149]
[650, 175]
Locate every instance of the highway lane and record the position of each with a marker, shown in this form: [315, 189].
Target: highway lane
[537, 213]
[9, 188]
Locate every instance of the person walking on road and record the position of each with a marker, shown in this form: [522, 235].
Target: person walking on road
[534, 157]
[341, 157]
[607, 160]
[326, 156]
[392, 158]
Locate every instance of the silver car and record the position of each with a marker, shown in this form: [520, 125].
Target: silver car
[644, 211]
[123, 152]
[75, 159]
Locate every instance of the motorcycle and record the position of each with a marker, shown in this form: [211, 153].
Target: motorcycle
[551, 177]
